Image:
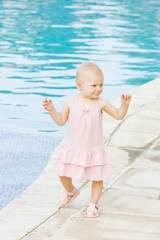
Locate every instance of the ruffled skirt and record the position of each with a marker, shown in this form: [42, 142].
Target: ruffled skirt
[82, 165]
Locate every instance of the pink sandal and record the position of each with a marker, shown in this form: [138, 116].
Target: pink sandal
[69, 197]
[92, 211]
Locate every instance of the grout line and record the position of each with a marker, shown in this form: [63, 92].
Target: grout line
[104, 190]
[84, 184]
[67, 223]
[134, 189]
[132, 214]
[108, 187]
[150, 146]
[107, 141]
[43, 222]
[55, 215]
[118, 177]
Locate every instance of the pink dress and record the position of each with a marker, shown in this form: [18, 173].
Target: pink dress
[83, 155]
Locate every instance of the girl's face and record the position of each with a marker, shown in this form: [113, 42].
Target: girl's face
[92, 86]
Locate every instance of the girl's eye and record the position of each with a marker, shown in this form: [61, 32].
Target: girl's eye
[96, 85]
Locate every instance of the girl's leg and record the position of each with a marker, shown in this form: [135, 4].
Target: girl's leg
[71, 191]
[67, 183]
[97, 187]
[92, 210]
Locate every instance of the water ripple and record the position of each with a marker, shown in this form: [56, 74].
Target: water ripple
[42, 43]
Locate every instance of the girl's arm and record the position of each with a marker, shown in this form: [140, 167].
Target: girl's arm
[118, 113]
[59, 118]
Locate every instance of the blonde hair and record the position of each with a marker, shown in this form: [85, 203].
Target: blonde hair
[87, 67]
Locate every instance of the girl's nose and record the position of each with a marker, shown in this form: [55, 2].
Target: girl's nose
[98, 89]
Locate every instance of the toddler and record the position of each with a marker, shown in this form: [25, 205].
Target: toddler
[83, 155]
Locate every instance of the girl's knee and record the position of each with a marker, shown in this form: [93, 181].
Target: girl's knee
[97, 183]
[65, 179]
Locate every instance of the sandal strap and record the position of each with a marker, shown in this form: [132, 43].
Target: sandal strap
[69, 197]
[92, 210]
[71, 193]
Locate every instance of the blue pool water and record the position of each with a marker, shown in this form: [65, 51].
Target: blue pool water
[41, 45]
[43, 42]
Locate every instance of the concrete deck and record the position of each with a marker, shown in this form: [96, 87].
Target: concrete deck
[130, 209]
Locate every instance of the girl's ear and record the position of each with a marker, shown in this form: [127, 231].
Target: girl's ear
[78, 84]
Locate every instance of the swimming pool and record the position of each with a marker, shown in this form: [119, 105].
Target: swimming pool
[43, 42]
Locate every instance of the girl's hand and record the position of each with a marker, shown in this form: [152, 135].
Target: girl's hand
[126, 98]
[48, 105]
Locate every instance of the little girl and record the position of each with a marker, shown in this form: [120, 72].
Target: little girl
[83, 155]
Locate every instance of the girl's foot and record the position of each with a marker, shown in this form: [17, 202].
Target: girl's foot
[69, 197]
[92, 211]
[159, 197]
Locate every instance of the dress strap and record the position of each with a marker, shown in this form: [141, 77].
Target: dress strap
[97, 105]
[73, 99]
[98, 101]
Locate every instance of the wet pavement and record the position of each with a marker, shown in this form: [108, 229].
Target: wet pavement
[130, 209]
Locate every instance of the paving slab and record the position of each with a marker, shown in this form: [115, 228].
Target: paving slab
[147, 163]
[141, 179]
[141, 124]
[110, 226]
[132, 139]
[50, 229]
[131, 201]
